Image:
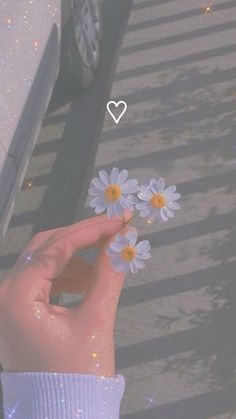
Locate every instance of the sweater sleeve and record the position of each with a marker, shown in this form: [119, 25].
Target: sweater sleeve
[44, 395]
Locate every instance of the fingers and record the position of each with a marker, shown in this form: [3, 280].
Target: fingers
[74, 278]
[50, 258]
[36, 241]
[102, 297]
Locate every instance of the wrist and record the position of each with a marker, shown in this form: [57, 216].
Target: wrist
[39, 395]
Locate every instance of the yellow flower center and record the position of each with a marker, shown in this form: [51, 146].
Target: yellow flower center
[158, 200]
[128, 253]
[113, 193]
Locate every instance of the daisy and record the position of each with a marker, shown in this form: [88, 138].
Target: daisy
[126, 255]
[113, 192]
[159, 202]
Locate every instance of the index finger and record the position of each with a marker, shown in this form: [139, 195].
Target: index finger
[49, 260]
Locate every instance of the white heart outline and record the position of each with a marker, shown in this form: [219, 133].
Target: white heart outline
[117, 104]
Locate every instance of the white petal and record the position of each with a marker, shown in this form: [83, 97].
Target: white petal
[139, 263]
[118, 208]
[99, 209]
[110, 211]
[144, 213]
[104, 177]
[133, 267]
[163, 214]
[161, 184]
[122, 240]
[144, 256]
[95, 181]
[145, 193]
[132, 237]
[171, 196]
[169, 212]
[157, 185]
[130, 186]
[126, 203]
[173, 205]
[94, 202]
[117, 247]
[154, 185]
[141, 206]
[175, 196]
[111, 252]
[116, 260]
[119, 265]
[119, 238]
[93, 190]
[170, 189]
[122, 177]
[124, 267]
[114, 175]
[132, 199]
[143, 246]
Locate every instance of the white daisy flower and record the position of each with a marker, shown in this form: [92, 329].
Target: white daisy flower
[159, 202]
[113, 192]
[126, 255]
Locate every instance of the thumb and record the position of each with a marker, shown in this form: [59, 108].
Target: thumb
[105, 287]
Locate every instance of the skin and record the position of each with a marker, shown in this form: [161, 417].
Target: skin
[40, 337]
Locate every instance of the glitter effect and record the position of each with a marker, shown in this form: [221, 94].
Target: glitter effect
[78, 412]
[208, 9]
[28, 257]
[151, 401]
[12, 412]
[26, 27]
[37, 312]
[28, 184]
[8, 21]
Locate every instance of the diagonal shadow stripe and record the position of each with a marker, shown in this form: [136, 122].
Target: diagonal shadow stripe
[174, 39]
[176, 17]
[162, 157]
[211, 224]
[193, 82]
[203, 406]
[205, 340]
[192, 281]
[150, 3]
[165, 65]
[202, 112]
[50, 147]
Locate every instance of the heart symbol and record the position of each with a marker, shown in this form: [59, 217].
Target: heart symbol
[121, 104]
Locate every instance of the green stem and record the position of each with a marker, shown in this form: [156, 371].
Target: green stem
[129, 221]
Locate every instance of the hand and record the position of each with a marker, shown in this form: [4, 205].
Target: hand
[38, 336]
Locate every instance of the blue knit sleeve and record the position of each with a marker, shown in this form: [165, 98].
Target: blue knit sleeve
[43, 395]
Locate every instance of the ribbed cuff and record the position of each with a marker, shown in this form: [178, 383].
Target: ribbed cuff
[43, 395]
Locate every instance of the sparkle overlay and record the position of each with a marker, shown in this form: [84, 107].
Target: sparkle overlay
[28, 258]
[151, 401]
[11, 413]
[208, 9]
[25, 29]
